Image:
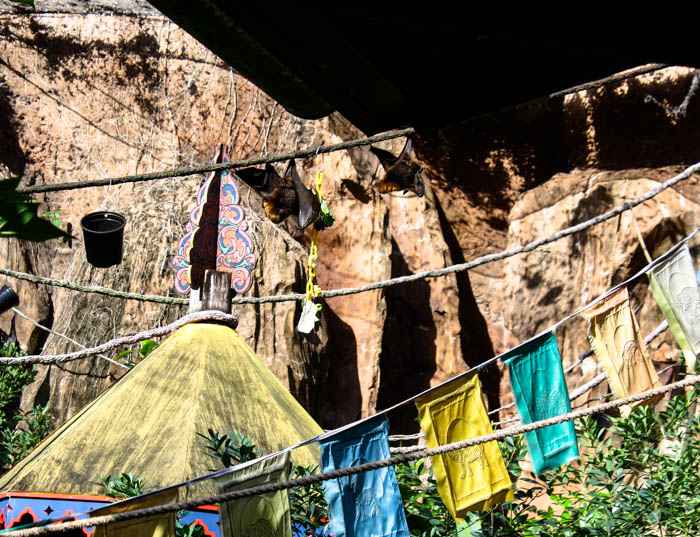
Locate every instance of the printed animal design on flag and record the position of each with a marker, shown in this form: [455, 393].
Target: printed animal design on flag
[261, 528]
[461, 429]
[365, 497]
[689, 302]
[256, 517]
[629, 353]
[548, 405]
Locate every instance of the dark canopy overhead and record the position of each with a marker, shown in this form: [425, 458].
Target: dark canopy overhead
[385, 64]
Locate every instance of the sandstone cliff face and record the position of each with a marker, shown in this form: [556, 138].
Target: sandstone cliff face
[91, 96]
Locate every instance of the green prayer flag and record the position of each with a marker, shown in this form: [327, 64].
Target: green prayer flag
[265, 515]
[537, 379]
[675, 288]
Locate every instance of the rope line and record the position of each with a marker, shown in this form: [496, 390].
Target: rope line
[205, 168]
[199, 316]
[452, 269]
[74, 342]
[417, 453]
[576, 394]
[92, 288]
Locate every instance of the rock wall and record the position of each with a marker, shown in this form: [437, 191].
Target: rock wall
[91, 96]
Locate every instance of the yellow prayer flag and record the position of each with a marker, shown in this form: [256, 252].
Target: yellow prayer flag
[615, 338]
[473, 478]
[151, 526]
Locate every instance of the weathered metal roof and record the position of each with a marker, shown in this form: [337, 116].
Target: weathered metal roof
[385, 65]
[203, 376]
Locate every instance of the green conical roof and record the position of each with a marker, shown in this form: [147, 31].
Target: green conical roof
[203, 376]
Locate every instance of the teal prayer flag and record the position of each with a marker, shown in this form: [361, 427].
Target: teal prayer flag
[537, 379]
[369, 503]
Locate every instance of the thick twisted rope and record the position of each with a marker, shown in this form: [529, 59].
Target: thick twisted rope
[574, 395]
[460, 267]
[92, 288]
[120, 342]
[417, 453]
[63, 336]
[205, 168]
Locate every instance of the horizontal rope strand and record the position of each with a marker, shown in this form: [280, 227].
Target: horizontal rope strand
[120, 342]
[419, 453]
[204, 168]
[460, 267]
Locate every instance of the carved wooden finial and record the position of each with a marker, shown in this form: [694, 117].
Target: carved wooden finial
[216, 241]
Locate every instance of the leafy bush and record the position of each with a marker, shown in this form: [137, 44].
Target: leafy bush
[120, 487]
[229, 451]
[128, 486]
[16, 441]
[146, 348]
[636, 476]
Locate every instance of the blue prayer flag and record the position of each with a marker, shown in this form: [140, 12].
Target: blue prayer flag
[367, 504]
[537, 378]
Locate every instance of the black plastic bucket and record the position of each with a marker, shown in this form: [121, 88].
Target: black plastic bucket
[103, 233]
[8, 298]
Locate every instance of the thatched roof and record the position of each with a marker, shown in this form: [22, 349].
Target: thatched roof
[203, 376]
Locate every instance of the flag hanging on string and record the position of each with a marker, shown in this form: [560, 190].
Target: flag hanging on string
[537, 379]
[263, 515]
[675, 288]
[162, 525]
[368, 503]
[473, 478]
[616, 341]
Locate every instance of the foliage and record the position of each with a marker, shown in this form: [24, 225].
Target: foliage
[308, 504]
[426, 514]
[120, 487]
[147, 347]
[25, 2]
[636, 477]
[234, 450]
[19, 218]
[128, 486]
[16, 441]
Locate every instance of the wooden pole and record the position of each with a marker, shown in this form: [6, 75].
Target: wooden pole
[215, 294]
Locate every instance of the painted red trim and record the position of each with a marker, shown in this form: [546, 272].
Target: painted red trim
[85, 497]
[2, 518]
[27, 511]
[67, 513]
[207, 532]
[89, 533]
[214, 508]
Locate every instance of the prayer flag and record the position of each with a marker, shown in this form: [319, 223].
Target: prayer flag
[615, 338]
[150, 526]
[675, 288]
[265, 515]
[369, 503]
[537, 379]
[473, 478]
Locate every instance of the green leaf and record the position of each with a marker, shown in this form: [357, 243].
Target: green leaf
[25, 2]
[19, 218]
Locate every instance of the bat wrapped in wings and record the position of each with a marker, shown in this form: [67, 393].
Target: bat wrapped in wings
[283, 196]
[401, 172]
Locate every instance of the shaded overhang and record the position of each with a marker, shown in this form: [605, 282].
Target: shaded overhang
[385, 65]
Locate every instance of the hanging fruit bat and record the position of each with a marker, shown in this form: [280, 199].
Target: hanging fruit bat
[283, 196]
[401, 173]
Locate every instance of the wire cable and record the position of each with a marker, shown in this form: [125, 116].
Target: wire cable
[58, 334]
[200, 316]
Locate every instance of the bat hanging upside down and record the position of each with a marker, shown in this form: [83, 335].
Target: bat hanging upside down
[401, 173]
[283, 196]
